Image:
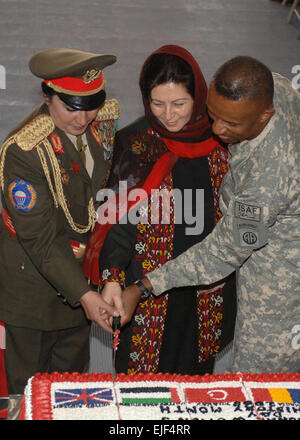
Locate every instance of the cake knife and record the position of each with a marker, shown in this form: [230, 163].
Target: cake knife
[116, 326]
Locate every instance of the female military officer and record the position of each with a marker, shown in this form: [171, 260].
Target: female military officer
[51, 167]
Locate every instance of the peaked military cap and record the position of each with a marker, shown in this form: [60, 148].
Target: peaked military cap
[75, 76]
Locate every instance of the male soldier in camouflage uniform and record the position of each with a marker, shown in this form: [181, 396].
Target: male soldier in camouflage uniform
[259, 234]
[49, 200]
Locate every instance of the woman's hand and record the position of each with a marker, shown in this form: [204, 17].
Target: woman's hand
[124, 302]
[97, 310]
[112, 294]
[130, 298]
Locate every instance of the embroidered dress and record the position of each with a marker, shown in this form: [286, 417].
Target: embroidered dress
[182, 330]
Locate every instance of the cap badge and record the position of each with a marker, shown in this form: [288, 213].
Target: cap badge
[91, 75]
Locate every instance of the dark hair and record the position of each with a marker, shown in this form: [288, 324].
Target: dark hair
[90, 102]
[162, 68]
[48, 90]
[244, 77]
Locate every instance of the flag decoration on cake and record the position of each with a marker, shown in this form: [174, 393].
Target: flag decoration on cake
[148, 395]
[279, 395]
[214, 395]
[84, 396]
[235, 396]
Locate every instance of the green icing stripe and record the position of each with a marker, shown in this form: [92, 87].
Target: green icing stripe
[149, 400]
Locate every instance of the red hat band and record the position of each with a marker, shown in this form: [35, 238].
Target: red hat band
[92, 82]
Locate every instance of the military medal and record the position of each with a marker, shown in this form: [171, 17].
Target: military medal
[65, 178]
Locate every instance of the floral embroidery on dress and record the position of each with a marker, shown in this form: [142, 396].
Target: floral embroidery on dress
[154, 248]
[210, 313]
[217, 168]
[147, 335]
[114, 274]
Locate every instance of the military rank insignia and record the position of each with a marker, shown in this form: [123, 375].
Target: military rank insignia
[22, 195]
[56, 143]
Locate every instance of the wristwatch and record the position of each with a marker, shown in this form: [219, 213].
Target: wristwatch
[145, 292]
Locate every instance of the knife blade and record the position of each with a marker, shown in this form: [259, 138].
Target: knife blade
[116, 326]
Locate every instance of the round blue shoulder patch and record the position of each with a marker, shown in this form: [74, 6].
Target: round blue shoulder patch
[22, 195]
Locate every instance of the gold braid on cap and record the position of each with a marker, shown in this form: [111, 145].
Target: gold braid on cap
[34, 135]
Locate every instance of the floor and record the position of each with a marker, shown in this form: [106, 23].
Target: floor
[213, 30]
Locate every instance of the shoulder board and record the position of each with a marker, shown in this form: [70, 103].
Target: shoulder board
[110, 110]
[32, 134]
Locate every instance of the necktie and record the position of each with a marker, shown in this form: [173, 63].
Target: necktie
[81, 148]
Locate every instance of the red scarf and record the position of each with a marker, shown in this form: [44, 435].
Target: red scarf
[192, 141]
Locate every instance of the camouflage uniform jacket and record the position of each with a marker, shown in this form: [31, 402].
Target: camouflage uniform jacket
[259, 236]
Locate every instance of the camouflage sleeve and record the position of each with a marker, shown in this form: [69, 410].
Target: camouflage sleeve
[204, 263]
[244, 228]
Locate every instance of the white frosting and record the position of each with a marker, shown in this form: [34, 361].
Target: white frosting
[157, 400]
[28, 402]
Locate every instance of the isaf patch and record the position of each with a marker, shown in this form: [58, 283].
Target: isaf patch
[250, 212]
[22, 195]
[248, 228]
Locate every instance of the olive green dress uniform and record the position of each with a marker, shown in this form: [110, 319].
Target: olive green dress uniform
[40, 261]
[49, 209]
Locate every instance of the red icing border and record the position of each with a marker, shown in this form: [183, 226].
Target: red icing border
[122, 377]
[73, 377]
[271, 377]
[154, 377]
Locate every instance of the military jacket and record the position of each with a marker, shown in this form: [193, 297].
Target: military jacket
[259, 237]
[49, 209]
